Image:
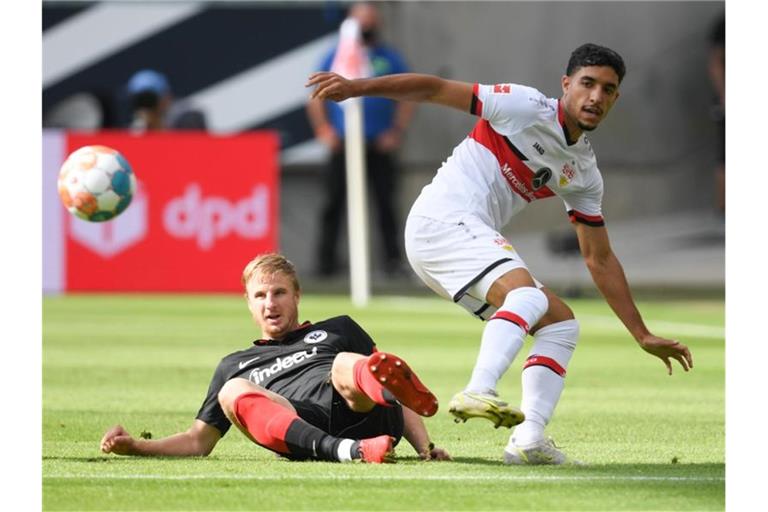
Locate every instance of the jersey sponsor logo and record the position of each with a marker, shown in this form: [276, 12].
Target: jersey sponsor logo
[501, 88]
[517, 174]
[518, 185]
[541, 178]
[243, 364]
[566, 174]
[259, 375]
[538, 148]
[315, 337]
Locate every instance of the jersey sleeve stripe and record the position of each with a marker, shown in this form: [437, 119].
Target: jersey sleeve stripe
[476, 107]
[589, 220]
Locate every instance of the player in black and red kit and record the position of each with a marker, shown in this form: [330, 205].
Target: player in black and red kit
[306, 391]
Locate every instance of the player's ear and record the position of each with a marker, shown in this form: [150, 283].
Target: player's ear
[565, 82]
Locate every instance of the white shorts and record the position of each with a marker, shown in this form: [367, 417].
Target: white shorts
[460, 260]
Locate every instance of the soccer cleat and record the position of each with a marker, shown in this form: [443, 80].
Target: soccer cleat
[376, 450]
[395, 376]
[540, 452]
[466, 404]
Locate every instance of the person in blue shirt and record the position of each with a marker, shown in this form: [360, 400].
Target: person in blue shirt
[385, 121]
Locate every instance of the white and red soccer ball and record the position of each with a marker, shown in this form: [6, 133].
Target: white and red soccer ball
[96, 183]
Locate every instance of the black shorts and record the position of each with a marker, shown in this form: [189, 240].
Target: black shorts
[332, 415]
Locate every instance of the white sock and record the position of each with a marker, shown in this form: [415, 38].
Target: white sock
[543, 378]
[344, 450]
[503, 336]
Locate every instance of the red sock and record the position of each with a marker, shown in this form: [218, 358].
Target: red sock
[367, 383]
[281, 430]
[267, 421]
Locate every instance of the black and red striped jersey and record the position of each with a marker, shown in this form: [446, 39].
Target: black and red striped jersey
[297, 367]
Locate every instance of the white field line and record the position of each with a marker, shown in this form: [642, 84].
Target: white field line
[602, 322]
[448, 478]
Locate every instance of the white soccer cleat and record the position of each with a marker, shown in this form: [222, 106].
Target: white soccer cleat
[466, 404]
[540, 452]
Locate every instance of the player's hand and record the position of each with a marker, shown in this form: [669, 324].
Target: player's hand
[329, 86]
[666, 349]
[117, 440]
[435, 454]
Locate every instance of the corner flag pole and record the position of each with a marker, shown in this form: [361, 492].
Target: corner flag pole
[357, 205]
[351, 62]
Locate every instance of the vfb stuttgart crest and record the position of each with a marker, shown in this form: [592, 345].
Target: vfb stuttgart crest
[541, 178]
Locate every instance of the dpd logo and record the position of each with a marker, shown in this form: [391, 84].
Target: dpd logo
[209, 218]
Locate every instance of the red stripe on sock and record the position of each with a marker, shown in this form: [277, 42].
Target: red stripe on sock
[367, 383]
[265, 420]
[511, 317]
[545, 361]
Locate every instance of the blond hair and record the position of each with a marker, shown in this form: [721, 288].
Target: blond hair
[270, 264]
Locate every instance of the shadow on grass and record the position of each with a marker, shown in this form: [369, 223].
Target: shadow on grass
[713, 471]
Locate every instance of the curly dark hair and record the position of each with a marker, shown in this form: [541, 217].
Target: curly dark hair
[595, 55]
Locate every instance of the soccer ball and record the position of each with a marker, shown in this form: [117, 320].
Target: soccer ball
[96, 183]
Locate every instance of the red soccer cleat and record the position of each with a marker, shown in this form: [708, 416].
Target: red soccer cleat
[376, 450]
[396, 376]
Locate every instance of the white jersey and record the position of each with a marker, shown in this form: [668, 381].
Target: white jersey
[518, 152]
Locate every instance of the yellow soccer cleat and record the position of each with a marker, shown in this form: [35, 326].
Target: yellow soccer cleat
[466, 405]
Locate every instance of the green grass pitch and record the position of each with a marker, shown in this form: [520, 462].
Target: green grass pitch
[649, 441]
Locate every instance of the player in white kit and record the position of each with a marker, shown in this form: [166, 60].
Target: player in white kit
[524, 147]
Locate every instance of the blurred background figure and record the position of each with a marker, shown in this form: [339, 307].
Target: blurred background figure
[153, 106]
[717, 75]
[80, 111]
[385, 121]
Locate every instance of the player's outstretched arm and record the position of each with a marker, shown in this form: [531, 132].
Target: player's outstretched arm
[199, 440]
[401, 87]
[416, 433]
[609, 277]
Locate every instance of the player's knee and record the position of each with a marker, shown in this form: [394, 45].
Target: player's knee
[342, 365]
[527, 302]
[231, 390]
[564, 333]
[342, 373]
[570, 330]
[553, 346]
